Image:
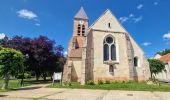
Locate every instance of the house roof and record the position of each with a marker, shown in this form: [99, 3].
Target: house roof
[81, 14]
[108, 17]
[165, 58]
[102, 24]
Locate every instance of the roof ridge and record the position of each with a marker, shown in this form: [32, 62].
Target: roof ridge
[165, 58]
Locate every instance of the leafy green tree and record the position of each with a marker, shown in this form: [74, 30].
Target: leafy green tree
[156, 66]
[11, 64]
[164, 52]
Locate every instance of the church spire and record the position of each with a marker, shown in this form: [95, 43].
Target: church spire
[81, 14]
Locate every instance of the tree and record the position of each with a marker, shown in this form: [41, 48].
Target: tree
[156, 66]
[4, 40]
[164, 52]
[43, 54]
[11, 64]
[42, 49]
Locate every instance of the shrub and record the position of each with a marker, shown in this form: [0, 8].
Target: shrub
[65, 83]
[90, 82]
[26, 76]
[69, 84]
[19, 76]
[115, 82]
[132, 81]
[100, 82]
[154, 81]
[108, 82]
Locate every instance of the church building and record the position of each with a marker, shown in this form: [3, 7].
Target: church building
[103, 51]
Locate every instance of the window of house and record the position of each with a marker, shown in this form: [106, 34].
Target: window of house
[109, 25]
[83, 30]
[83, 27]
[113, 52]
[106, 52]
[109, 48]
[79, 29]
[111, 68]
[136, 61]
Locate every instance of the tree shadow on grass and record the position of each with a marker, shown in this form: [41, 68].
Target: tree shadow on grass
[27, 88]
[3, 95]
[37, 82]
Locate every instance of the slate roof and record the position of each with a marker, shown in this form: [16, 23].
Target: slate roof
[165, 58]
[81, 14]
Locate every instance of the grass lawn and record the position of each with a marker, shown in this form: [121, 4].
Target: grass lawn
[15, 84]
[131, 86]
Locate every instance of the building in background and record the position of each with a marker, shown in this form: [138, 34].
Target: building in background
[103, 51]
[165, 74]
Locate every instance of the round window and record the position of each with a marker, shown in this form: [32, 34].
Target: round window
[109, 40]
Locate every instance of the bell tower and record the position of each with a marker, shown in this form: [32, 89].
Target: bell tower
[80, 23]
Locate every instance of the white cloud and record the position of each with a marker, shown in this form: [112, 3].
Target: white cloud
[2, 35]
[131, 15]
[131, 18]
[123, 19]
[167, 43]
[140, 6]
[167, 36]
[65, 53]
[137, 19]
[155, 3]
[37, 24]
[24, 13]
[146, 43]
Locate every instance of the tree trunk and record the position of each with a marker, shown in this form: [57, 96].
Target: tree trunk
[151, 75]
[37, 74]
[51, 77]
[22, 80]
[6, 80]
[44, 76]
[37, 77]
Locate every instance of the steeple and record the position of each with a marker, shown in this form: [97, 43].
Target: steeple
[80, 23]
[81, 14]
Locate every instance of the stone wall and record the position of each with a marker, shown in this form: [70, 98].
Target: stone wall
[101, 70]
[89, 57]
[143, 69]
[76, 70]
[164, 75]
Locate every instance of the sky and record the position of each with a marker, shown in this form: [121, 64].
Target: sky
[147, 21]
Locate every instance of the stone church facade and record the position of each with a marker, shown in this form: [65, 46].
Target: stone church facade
[103, 51]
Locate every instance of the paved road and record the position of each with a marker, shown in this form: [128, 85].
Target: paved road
[38, 92]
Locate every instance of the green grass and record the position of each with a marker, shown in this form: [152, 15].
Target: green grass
[15, 84]
[130, 86]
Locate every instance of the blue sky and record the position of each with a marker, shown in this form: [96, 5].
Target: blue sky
[147, 21]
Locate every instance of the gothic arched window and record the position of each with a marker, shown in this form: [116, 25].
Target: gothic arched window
[113, 52]
[106, 52]
[136, 61]
[111, 69]
[79, 29]
[109, 48]
[83, 30]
